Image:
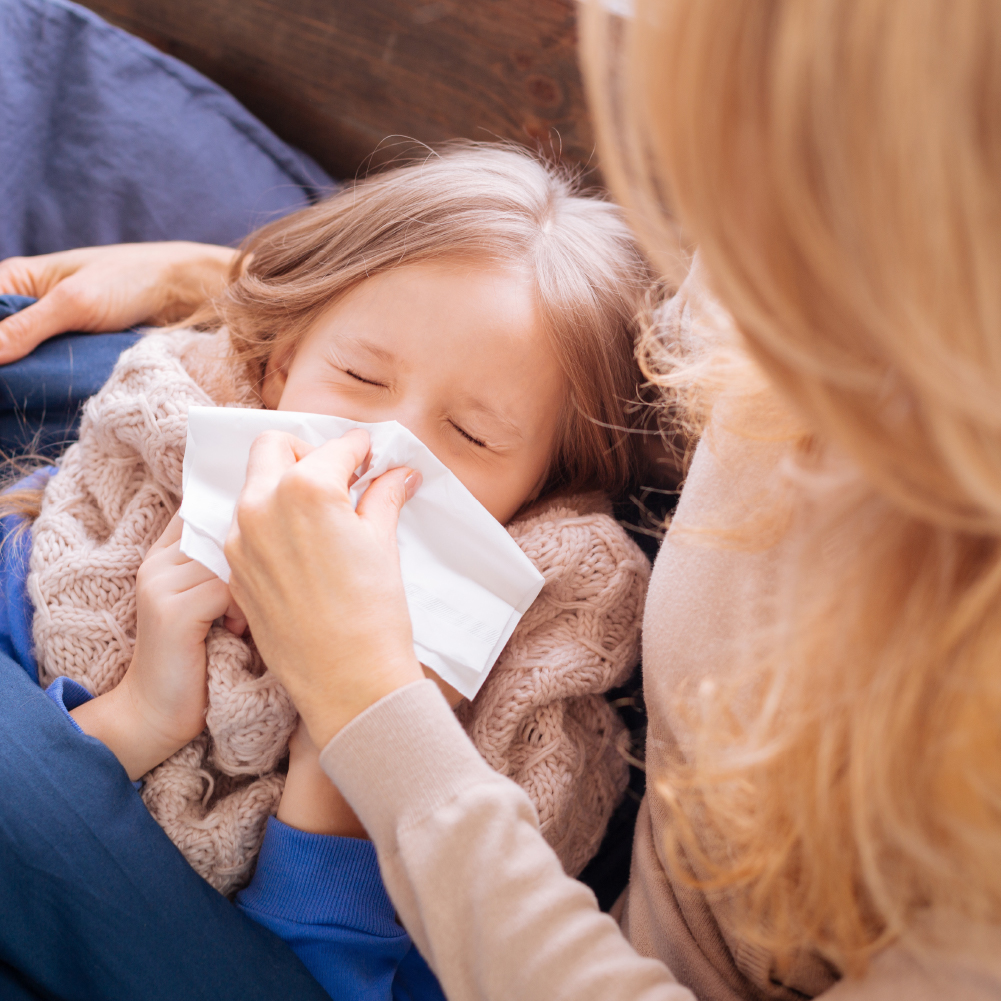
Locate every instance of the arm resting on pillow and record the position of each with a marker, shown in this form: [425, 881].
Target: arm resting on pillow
[108, 288]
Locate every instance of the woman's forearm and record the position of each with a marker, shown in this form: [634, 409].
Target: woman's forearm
[196, 273]
[476, 885]
[481, 893]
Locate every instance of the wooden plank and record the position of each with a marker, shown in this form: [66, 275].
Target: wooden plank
[336, 78]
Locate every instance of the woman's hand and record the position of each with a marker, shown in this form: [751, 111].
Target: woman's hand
[320, 582]
[107, 288]
[159, 705]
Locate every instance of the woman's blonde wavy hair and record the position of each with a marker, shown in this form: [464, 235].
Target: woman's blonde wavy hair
[838, 164]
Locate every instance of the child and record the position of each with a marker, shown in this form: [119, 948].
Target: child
[479, 301]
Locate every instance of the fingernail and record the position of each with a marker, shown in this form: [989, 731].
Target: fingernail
[412, 482]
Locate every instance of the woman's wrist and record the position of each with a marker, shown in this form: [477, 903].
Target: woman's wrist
[326, 713]
[119, 721]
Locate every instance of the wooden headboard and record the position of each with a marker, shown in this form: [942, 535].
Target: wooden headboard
[337, 77]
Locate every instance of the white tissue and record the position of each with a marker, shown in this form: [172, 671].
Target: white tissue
[467, 581]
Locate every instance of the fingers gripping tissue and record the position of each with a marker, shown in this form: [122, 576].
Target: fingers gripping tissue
[538, 716]
[466, 580]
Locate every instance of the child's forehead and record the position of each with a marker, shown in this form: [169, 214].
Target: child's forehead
[438, 301]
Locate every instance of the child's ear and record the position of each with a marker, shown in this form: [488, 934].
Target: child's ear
[273, 383]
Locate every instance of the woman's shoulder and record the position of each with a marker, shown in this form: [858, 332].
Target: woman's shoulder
[741, 481]
[970, 970]
[717, 573]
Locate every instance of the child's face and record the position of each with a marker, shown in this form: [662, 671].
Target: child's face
[455, 353]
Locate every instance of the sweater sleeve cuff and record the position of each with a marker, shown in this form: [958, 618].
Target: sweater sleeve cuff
[402, 759]
[319, 879]
[68, 694]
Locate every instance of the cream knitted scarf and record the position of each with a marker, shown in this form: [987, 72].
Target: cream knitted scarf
[540, 717]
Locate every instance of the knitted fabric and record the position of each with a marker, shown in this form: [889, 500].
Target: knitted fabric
[540, 717]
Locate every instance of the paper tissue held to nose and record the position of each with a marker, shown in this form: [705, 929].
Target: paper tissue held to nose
[467, 581]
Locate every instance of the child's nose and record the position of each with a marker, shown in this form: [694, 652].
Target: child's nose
[413, 417]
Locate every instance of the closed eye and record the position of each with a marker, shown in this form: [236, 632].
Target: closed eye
[467, 436]
[368, 382]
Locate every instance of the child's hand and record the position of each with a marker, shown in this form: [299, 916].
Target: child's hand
[159, 705]
[310, 801]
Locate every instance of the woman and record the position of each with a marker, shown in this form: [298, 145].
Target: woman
[823, 623]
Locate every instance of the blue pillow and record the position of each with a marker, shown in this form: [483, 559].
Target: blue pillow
[41, 395]
[103, 139]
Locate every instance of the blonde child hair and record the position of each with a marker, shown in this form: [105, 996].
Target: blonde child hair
[481, 202]
[838, 164]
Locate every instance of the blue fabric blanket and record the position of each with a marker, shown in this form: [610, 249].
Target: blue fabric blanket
[41, 395]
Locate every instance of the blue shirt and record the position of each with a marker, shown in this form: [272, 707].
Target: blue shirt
[323, 895]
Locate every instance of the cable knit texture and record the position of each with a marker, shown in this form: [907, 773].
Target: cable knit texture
[540, 717]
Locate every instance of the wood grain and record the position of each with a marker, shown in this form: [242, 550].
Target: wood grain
[339, 78]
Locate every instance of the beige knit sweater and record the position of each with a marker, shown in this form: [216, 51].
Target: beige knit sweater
[539, 718]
